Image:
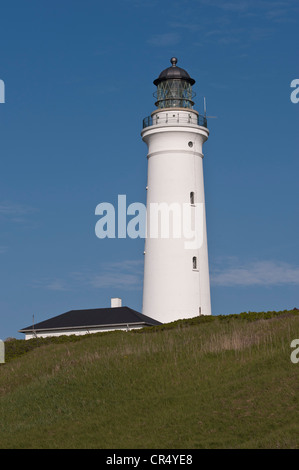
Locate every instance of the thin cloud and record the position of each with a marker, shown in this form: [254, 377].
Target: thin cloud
[117, 280]
[230, 6]
[236, 6]
[13, 209]
[51, 284]
[193, 27]
[164, 39]
[271, 8]
[125, 275]
[220, 30]
[15, 212]
[256, 273]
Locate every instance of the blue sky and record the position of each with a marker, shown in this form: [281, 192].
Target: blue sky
[78, 77]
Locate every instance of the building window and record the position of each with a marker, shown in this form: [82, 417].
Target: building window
[192, 198]
[194, 262]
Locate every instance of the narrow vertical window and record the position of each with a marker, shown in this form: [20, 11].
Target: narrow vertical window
[194, 262]
[192, 198]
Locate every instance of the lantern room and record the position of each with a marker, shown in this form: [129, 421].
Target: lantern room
[174, 88]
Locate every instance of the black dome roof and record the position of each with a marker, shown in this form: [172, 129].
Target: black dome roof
[174, 72]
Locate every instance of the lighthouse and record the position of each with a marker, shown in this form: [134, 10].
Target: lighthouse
[176, 269]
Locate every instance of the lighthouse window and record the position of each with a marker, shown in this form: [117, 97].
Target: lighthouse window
[190, 144]
[194, 262]
[192, 198]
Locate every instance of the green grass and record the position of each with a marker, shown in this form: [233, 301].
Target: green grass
[222, 382]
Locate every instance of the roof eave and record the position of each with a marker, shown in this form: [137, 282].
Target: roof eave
[85, 327]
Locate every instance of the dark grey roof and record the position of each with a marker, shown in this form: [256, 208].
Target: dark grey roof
[93, 318]
[174, 72]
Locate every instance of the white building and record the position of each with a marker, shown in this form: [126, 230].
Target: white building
[176, 278]
[97, 320]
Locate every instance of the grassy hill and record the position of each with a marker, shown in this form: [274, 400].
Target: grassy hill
[211, 382]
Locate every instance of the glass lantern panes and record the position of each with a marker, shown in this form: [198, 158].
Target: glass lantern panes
[174, 93]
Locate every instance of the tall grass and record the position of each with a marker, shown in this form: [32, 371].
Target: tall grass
[218, 384]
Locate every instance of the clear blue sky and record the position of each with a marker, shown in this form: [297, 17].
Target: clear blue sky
[78, 76]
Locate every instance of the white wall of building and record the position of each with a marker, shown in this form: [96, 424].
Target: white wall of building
[79, 331]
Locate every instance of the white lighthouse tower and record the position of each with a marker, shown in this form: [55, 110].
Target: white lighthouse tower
[176, 270]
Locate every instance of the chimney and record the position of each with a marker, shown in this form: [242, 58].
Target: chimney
[115, 302]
